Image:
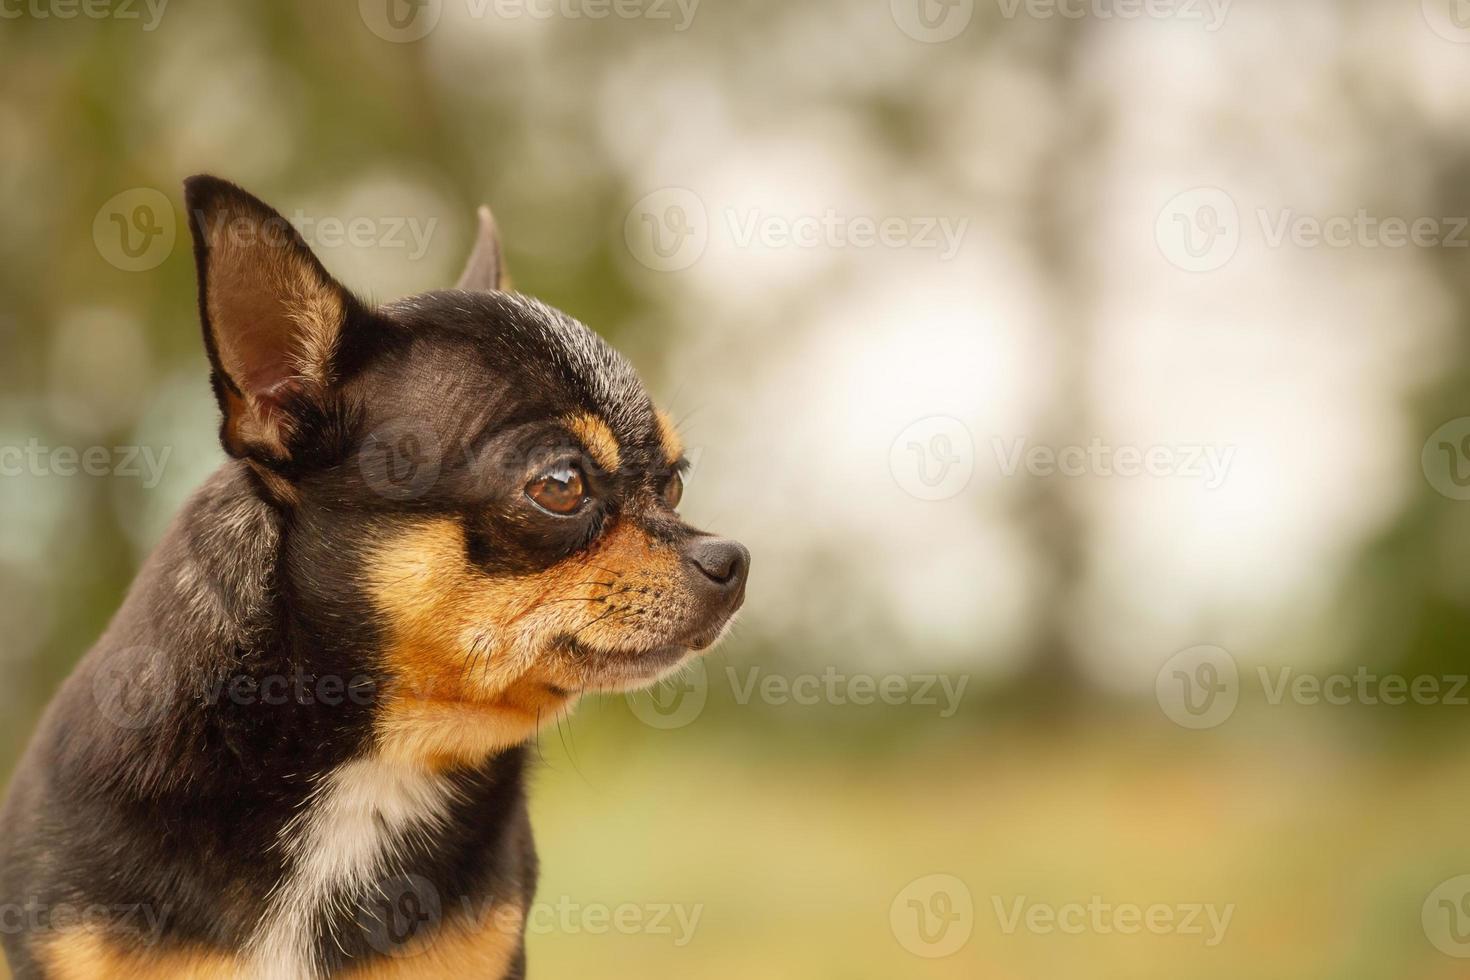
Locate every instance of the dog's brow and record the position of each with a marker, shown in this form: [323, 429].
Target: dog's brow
[597, 438]
[668, 436]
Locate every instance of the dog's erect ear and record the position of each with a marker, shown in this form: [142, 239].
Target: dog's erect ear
[485, 271]
[273, 318]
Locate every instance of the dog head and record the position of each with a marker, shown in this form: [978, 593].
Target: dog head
[479, 489]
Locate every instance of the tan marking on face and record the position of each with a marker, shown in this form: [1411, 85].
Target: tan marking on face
[86, 955]
[668, 436]
[472, 657]
[597, 439]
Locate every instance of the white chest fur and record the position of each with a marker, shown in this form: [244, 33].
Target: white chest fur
[338, 849]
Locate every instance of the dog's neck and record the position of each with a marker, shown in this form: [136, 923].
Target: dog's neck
[317, 814]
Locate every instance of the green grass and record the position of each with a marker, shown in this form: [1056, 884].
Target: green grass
[1325, 853]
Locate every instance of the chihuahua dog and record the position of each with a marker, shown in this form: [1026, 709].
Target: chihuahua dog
[298, 750]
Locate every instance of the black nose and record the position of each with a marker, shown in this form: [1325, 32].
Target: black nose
[723, 562]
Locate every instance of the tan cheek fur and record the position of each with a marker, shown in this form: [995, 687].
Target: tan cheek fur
[472, 657]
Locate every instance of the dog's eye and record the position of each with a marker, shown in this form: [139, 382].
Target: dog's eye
[560, 490]
[674, 491]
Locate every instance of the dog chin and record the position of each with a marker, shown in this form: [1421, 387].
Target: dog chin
[616, 672]
[637, 675]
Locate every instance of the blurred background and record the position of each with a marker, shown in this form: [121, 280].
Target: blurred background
[1089, 378]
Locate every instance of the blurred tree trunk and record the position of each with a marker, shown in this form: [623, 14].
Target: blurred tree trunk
[1054, 678]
